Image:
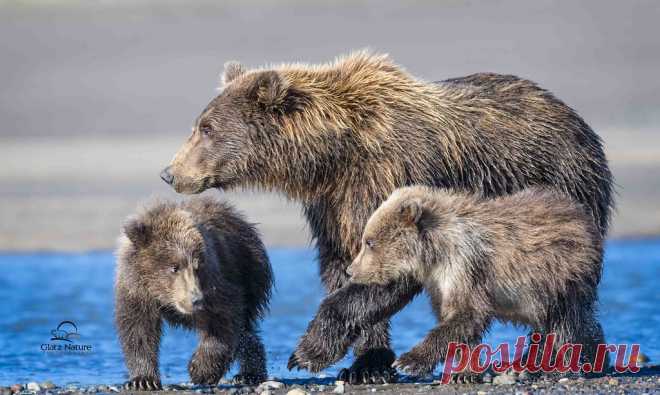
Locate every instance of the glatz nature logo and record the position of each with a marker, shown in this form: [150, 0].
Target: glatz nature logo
[63, 339]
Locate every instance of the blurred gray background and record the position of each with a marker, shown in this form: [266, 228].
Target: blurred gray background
[96, 96]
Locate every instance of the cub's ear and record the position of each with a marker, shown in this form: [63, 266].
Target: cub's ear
[137, 232]
[411, 212]
[232, 70]
[272, 92]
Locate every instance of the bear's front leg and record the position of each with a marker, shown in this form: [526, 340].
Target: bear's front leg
[213, 355]
[346, 314]
[139, 327]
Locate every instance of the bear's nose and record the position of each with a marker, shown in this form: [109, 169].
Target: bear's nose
[197, 302]
[167, 176]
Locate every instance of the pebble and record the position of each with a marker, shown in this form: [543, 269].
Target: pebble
[48, 385]
[16, 388]
[297, 391]
[266, 392]
[563, 379]
[103, 388]
[113, 388]
[32, 386]
[487, 378]
[481, 392]
[504, 379]
[613, 381]
[232, 391]
[339, 389]
[269, 385]
[92, 389]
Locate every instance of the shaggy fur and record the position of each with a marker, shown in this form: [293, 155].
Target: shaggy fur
[341, 137]
[197, 264]
[532, 258]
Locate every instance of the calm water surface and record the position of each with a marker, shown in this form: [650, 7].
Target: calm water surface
[38, 291]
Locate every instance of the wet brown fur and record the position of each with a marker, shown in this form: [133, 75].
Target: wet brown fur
[341, 137]
[197, 264]
[532, 258]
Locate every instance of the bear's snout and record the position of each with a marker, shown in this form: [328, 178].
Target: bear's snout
[166, 175]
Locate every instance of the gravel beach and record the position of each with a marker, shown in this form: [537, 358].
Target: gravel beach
[646, 381]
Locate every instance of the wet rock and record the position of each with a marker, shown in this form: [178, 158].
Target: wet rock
[5, 391]
[339, 389]
[47, 385]
[564, 380]
[16, 388]
[32, 386]
[297, 391]
[113, 388]
[269, 385]
[504, 379]
[103, 388]
[233, 391]
[487, 378]
[266, 392]
[92, 389]
[613, 381]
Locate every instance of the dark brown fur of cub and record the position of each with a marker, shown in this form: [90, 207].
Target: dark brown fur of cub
[341, 137]
[200, 265]
[532, 258]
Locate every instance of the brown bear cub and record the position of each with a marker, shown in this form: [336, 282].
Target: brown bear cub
[200, 265]
[532, 258]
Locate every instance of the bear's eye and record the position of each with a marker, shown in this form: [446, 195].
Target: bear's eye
[174, 269]
[369, 243]
[206, 130]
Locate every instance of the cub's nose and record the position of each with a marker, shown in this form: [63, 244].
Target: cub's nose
[167, 176]
[197, 303]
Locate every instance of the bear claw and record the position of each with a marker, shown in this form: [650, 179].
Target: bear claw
[367, 376]
[246, 379]
[141, 383]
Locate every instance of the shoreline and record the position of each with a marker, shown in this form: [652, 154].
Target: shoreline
[647, 380]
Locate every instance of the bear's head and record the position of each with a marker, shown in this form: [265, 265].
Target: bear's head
[393, 240]
[236, 133]
[165, 255]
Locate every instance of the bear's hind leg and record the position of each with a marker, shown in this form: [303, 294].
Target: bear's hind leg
[251, 356]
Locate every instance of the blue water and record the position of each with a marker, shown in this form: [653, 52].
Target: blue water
[38, 291]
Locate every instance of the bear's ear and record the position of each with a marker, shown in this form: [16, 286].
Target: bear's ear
[232, 70]
[411, 212]
[138, 232]
[274, 94]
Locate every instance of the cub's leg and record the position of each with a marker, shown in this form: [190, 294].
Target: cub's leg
[251, 356]
[218, 340]
[466, 328]
[139, 327]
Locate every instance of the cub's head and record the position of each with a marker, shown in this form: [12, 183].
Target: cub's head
[233, 137]
[163, 253]
[392, 242]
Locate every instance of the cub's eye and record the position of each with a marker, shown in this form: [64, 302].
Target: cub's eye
[174, 269]
[369, 243]
[206, 130]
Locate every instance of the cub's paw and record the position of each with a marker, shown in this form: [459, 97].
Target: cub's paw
[248, 379]
[414, 364]
[142, 383]
[206, 369]
[465, 378]
[372, 367]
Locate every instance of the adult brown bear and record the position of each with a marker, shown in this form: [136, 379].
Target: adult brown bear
[341, 137]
